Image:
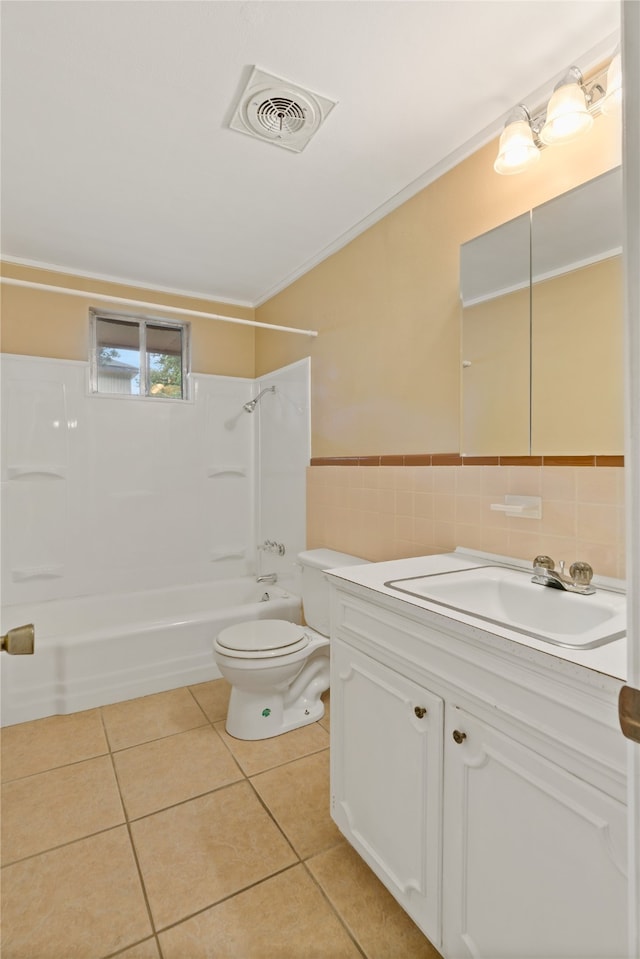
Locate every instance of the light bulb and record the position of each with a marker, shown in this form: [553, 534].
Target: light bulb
[517, 151]
[567, 115]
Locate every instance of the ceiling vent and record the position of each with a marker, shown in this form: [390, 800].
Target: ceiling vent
[279, 112]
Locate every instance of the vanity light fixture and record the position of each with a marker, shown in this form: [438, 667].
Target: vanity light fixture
[569, 113]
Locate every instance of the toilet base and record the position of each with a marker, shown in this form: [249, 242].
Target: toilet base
[256, 714]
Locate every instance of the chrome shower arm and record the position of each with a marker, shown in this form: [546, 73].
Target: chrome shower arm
[251, 405]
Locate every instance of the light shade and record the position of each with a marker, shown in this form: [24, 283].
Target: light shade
[612, 101]
[567, 115]
[517, 151]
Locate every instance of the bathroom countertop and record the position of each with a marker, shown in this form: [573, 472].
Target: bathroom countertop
[609, 660]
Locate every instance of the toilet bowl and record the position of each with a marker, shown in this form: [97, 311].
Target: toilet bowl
[279, 670]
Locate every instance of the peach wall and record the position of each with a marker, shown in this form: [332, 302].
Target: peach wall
[577, 352]
[496, 386]
[39, 323]
[386, 365]
[389, 512]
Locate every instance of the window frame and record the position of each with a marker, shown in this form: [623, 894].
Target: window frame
[142, 321]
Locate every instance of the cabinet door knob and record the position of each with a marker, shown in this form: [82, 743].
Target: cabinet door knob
[420, 712]
[458, 736]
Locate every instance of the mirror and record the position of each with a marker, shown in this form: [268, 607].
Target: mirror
[542, 329]
[496, 331]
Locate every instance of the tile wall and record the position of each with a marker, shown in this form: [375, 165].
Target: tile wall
[390, 512]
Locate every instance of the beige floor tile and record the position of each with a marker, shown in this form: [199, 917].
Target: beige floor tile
[58, 806]
[143, 950]
[297, 795]
[381, 928]
[255, 756]
[83, 900]
[195, 854]
[213, 697]
[151, 717]
[171, 770]
[285, 917]
[29, 748]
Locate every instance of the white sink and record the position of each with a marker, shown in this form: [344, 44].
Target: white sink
[507, 597]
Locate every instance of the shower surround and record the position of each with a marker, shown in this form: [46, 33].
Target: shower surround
[104, 496]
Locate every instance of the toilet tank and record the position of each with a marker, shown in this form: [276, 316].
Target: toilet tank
[315, 587]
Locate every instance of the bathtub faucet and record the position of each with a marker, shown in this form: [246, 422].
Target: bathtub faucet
[268, 578]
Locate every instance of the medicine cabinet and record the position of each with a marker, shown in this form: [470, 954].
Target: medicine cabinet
[542, 329]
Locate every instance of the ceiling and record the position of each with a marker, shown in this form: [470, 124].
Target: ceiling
[117, 156]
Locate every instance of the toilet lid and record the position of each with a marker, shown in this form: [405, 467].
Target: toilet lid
[262, 638]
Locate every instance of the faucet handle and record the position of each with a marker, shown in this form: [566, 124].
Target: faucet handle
[581, 573]
[545, 561]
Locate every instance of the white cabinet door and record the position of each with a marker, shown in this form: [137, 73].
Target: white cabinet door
[386, 778]
[534, 862]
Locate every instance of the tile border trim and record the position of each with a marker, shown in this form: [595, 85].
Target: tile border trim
[455, 459]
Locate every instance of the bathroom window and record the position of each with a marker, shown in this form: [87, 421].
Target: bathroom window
[139, 356]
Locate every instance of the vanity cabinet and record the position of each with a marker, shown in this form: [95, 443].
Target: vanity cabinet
[387, 778]
[497, 816]
[534, 856]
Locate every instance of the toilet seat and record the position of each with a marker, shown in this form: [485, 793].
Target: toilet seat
[261, 639]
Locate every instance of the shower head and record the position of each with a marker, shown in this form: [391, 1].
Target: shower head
[251, 405]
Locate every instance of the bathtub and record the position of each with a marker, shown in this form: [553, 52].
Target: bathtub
[96, 650]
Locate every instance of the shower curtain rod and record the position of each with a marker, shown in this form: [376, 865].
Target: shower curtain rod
[155, 306]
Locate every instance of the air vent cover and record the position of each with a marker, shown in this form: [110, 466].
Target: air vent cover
[279, 112]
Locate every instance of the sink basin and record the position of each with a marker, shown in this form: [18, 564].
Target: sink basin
[507, 597]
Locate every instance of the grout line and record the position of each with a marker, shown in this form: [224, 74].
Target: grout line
[63, 845]
[285, 762]
[156, 739]
[134, 851]
[333, 908]
[288, 762]
[195, 699]
[50, 769]
[275, 821]
[277, 765]
[159, 739]
[232, 895]
[183, 802]
[133, 945]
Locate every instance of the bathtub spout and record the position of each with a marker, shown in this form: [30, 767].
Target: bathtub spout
[311, 682]
[268, 578]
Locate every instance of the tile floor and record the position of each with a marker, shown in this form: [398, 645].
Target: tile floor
[142, 830]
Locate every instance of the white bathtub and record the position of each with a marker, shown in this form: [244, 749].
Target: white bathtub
[96, 650]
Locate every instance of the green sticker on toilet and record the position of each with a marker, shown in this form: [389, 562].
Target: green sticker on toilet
[266, 712]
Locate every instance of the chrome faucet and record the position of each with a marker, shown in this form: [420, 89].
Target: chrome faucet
[268, 578]
[578, 581]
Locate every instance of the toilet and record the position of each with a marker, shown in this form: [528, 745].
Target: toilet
[279, 670]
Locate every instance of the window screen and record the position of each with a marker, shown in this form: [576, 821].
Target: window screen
[136, 356]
